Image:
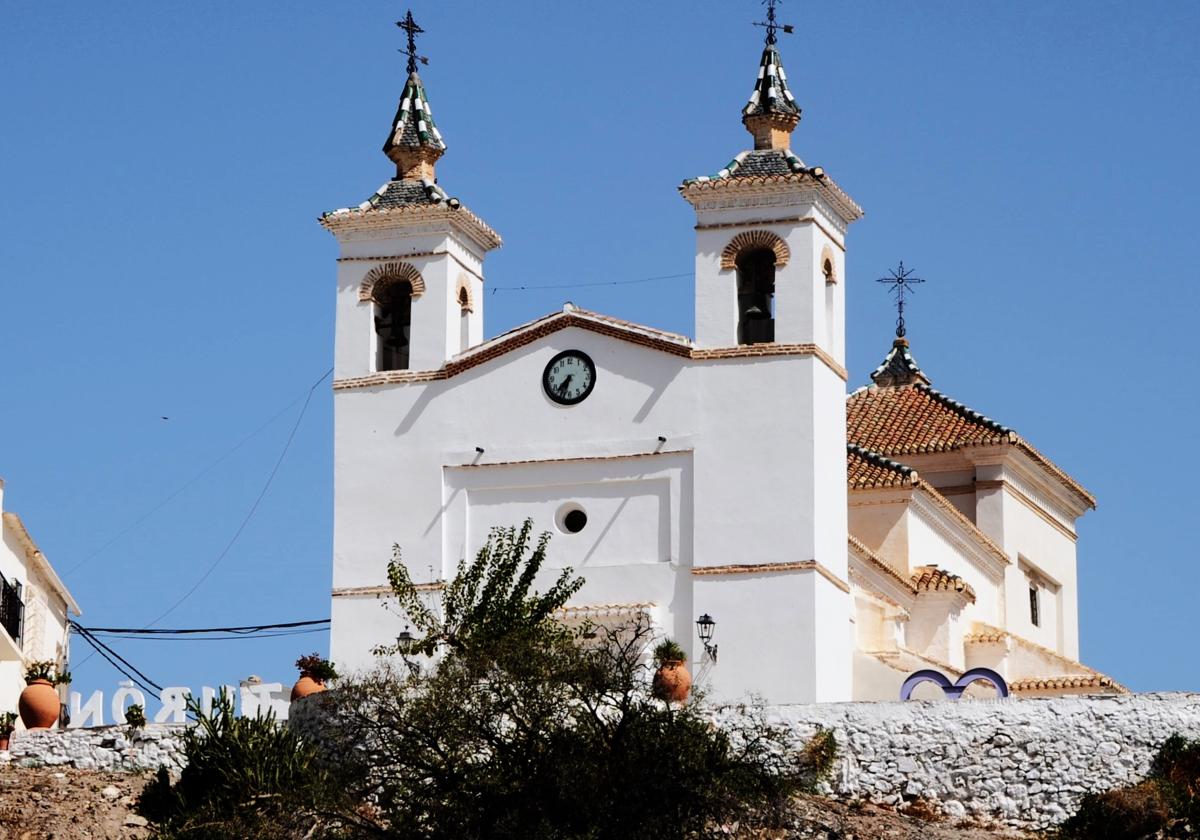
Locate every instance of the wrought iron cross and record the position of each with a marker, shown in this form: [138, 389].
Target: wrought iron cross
[902, 283]
[771, 24]
[410, 26]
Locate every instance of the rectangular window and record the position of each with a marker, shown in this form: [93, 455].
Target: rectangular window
[1034, 615]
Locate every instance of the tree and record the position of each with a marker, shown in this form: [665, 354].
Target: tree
[527, 728]
[490, 598]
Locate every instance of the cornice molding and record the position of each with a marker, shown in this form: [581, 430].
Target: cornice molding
[768, 568]
[989, 559]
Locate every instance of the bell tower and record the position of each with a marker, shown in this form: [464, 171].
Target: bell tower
[770, 232]
[410, 268]
[770, 291]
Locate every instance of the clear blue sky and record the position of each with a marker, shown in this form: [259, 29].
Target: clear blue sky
[163, 167]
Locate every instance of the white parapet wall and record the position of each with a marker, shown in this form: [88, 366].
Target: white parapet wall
[1022, 762]
[100, 748]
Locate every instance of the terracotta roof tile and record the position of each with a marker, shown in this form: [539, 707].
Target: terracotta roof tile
[915, 419]
[1067, 681]
[866, 469]
[933, 579]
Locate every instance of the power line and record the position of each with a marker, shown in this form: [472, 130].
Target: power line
[249, 628]
[108, 653]
[249, 514]
[253, 508]
[226, 638]
[170, 498]
[495, 289]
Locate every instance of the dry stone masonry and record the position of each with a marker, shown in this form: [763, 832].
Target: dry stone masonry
[1025, 763]
[1022, 762]
[100, 748]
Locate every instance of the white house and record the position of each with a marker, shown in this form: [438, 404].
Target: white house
[34, 608]
[839, 544]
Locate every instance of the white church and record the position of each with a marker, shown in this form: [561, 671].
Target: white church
[840, 540]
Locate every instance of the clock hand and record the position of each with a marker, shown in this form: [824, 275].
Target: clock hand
[562, 389]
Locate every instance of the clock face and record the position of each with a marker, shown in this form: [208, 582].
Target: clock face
[569, 377]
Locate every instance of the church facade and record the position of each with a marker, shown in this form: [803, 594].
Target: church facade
[838, 541]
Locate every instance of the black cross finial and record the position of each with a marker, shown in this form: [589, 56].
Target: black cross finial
[771, 24]
[901, 282]
[410, 26]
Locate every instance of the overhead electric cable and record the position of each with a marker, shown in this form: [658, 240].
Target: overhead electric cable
[253, 508]
[170, 498]
[237, 637]
[495, 289]
[249, 514]
[103, 649]
[164, 630]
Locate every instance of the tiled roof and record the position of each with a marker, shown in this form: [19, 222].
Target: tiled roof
[914, 419]
[1068, 681]
[771, 94]
[898, 367]
[405, 193]
[933, 579]
[759, 163]
[413, 126]
[866, 469]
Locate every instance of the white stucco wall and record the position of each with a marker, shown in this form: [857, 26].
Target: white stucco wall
[734, 483]
[44, 631]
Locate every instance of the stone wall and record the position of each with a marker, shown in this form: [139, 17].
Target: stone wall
[1025, 763]
[1022, 762]
[100, 748]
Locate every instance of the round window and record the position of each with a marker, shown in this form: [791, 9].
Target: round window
[572, 518]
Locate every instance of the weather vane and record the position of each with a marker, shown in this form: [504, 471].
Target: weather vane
[410, 26]
[902, 283]
[770, 23]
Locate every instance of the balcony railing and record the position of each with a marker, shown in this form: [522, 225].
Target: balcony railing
[12, 610]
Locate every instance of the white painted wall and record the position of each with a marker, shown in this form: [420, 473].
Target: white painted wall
[44, 634]
[735, 484]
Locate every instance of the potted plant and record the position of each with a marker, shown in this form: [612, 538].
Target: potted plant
[672, 682]
[39, 703]
[8, 722]
[135, 717]
[315, 671]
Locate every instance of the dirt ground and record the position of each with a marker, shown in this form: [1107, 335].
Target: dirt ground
[51, 803]
[67, 804]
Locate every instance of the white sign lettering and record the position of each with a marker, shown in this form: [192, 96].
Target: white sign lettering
[250, 698]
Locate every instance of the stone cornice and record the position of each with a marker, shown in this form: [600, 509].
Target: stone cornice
[768, 568]
[354, 223]
[710, 194]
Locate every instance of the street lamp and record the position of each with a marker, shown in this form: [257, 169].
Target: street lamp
[705, 626]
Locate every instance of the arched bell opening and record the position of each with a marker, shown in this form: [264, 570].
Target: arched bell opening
[756, 296]
[393, 324]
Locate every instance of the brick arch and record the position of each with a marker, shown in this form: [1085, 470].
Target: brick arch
[827, 257]
[390, 272]
[464, 285]
[752, 240]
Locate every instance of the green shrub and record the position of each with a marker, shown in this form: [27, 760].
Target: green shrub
[245, 777]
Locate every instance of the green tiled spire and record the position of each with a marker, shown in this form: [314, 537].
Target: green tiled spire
[413, 128]
[771, 94]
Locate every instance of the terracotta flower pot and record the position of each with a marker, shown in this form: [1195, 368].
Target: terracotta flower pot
[3, 743]
[672, 681]
[306, 685]
[38, 705]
